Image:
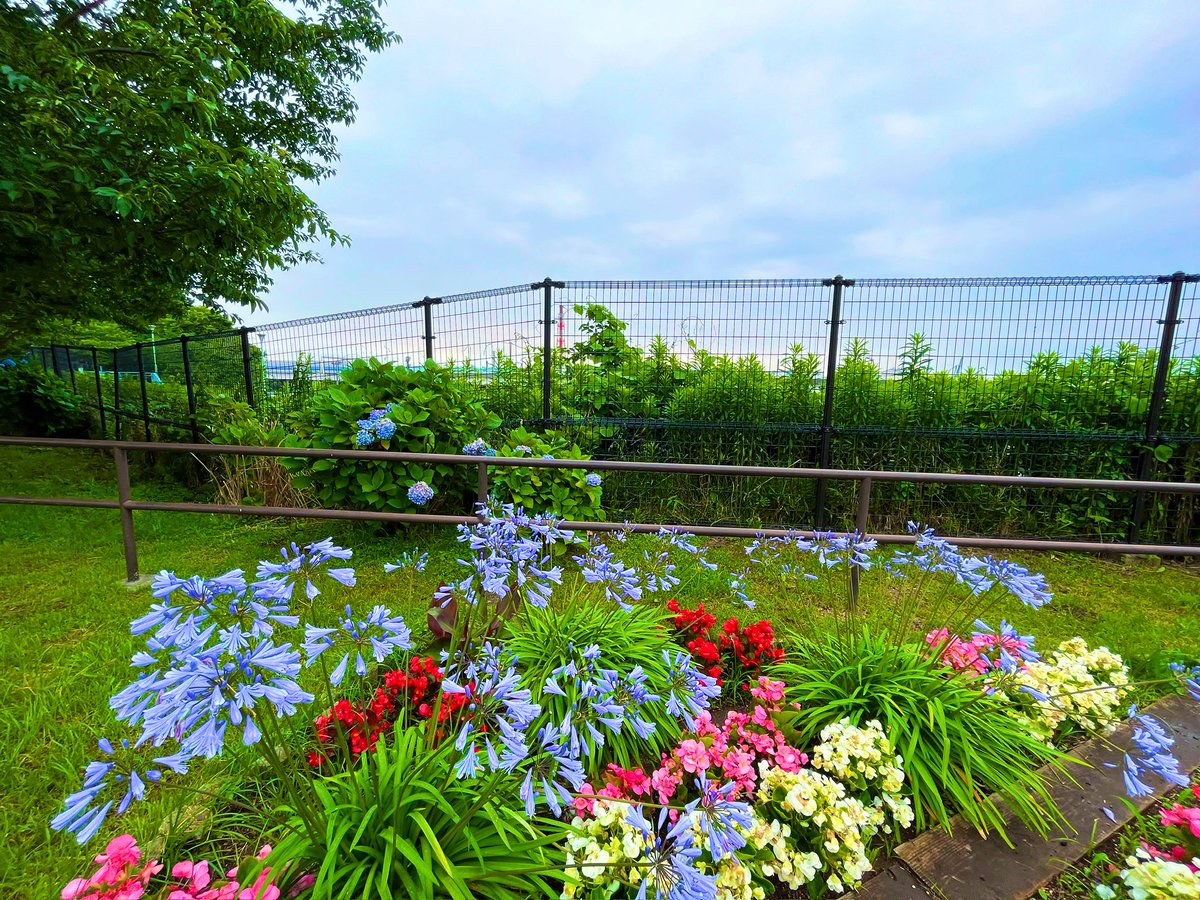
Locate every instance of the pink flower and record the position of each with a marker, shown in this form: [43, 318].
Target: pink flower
[75, 888]
[790, 759]
[693, 755]
[303, 883]
[584, 804]
[704, 724]
[635, 780]
[767, 690]
[1184, 817]
[665, 782]
[261, 889]
[121, 852]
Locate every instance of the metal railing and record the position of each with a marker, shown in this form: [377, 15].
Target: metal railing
[127, 505]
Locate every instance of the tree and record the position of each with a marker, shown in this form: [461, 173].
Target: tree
[154, 151]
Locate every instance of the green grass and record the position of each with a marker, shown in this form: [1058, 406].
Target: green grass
[65, 612]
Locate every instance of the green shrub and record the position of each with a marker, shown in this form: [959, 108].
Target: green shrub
[401, 824]
[35, 403]
[431, 413]
[958, 744]
[564, 492]
[542, 640]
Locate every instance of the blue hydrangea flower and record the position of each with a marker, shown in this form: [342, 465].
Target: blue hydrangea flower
[364, 438]
[522, 450]
[420, 493]
[594, 480]
[120, 774]
[385, 429]
[477, 447]
[379, 635]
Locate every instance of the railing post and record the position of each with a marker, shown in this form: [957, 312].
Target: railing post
[247, 365]
[121, 458]
[99, 392]
[53, 359]
[71, 369]
[191, 389]
[145, 400]
[481, 495]
[861, 518]
[547, 285]
[1158, 394]
[834, 322]
[116, 394]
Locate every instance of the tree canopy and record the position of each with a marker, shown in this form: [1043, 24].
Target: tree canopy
[155, 151]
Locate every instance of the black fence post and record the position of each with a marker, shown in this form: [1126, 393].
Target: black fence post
[71, 369]
[1158, 394]
[53, 359]
[99, 392]
[426, 304]
[191, 389]
[547, 285]
[145, 400]
[116, 394]
[834, 322]
[247, 365]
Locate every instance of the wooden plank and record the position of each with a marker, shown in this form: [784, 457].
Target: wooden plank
[966, 865]
[895, 881]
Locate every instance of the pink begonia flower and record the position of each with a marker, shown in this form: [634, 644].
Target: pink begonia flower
[637, 781]
[585, 804]
[1184, 817]
[704, 724]
[303, 883]
[790, 759]
[75, 888]
[767, 690]
[121, 852]
[693, 756]
[665, 782]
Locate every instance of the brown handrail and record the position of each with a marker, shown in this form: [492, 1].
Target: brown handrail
[127, 505]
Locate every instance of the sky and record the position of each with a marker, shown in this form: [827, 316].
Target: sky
[502, 142]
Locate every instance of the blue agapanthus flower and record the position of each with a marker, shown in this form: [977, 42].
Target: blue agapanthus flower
[621, 583]
[594, 480]
[186, 606]
[379, 635]
[659, 571]
[551, 775]
[715, 819]
[689, 691]
[668, 864]
[215, 688]
[302, 565]
[501, 713]
[1152, 754]
[420, 493]
[414, 561]
[121, 774]
[508, 556]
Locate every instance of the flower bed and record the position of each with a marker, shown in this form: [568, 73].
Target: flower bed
[559, 740]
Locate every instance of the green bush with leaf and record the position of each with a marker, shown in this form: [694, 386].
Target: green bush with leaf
[35, 403]
[543, 640]
[402, 824]
[431, 414]
[564, 492]
[958, 744]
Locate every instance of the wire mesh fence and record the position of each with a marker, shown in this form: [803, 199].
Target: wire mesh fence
[1072, 377]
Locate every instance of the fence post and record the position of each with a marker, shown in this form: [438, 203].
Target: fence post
[191, 390]
[53, 359]
[247, 366]
[482, 493]
[121, 458]
[1158, 394]
[145, 401]
[71, 369]
[834, 322]
[547, 285]
[426, 304]
[116, 394]
[99, 392]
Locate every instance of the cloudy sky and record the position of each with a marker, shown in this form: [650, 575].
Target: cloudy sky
[506, 141]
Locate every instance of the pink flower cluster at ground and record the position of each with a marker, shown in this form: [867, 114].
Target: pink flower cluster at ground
[1187, 820]
[119, 878]
[730, 753]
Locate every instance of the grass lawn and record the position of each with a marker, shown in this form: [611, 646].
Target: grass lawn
[65, 612]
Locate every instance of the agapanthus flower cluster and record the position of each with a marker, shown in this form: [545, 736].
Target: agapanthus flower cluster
[622, 584]
[620, 846]
[303, 565]
[499, 712]
[986, 650]
[375, 427]
[1151, 754]
[379, 635]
